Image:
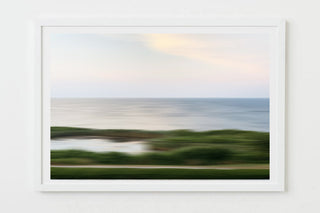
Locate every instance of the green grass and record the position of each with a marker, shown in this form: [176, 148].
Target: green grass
[184, 156]
[114, 134]
[131, 173]
[231, 138]
[168, 140]
[175, 147]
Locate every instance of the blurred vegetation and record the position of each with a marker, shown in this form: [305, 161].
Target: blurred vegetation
[113, 134]
[130, 173]
[176, 147]
[184, 156]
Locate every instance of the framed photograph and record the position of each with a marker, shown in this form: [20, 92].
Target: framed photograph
[176, 104]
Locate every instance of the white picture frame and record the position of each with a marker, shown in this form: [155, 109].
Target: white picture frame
[42, 110]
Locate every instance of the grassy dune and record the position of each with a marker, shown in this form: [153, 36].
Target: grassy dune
[173, 139]
[176, 147]
[113, 134]
[184, 156]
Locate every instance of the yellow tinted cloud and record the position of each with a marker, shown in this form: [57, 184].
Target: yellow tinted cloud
[221, 54]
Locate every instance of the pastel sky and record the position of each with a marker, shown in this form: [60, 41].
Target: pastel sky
[159, 65]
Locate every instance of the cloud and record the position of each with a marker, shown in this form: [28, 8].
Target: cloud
[226, 56]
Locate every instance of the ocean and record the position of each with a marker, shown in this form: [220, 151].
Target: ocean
[197, 114]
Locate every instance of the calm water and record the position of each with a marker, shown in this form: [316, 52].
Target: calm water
[99, 145]
[162, 114]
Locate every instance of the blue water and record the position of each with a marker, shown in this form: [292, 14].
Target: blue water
[162, 114]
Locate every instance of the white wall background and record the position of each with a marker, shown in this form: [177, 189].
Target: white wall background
[303, 117]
